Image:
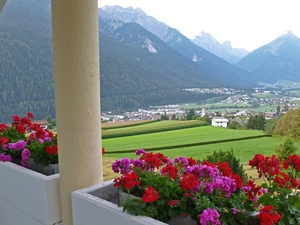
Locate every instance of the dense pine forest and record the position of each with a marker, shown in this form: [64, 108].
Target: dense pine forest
[131, 77]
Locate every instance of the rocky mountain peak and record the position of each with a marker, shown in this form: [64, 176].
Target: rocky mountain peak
[226, 44]
[224, 50]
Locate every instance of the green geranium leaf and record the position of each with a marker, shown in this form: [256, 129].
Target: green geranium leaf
[173, 212]
[295, 201]
[152, 212]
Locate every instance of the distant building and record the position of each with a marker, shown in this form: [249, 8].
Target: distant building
[270, 115]
[219, 122]
[203, 111]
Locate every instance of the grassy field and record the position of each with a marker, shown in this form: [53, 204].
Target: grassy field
[108, 174]
[244, 150]
[123, 124]
[175, 137]
[153, 127]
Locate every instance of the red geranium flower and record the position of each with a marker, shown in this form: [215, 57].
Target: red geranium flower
[292, 160]
[40, 133]
[130, 180]
[208, 164]
[268, 215]
[255, 190]
[152, 160]
[52, 150]
[162, 157]
[50, 133]
[188, 181]
[127, 181]
[25, 120]
[21, 128]
[55, 149]
[35, 126]
[30, 115]
[3, 140]
[224, 168]
[150, 195]
[192, 161]
[3, 127]
[270, 166]
[16, 118]
[173, 202]
[258, 158]
[171, 170]
[238, 180]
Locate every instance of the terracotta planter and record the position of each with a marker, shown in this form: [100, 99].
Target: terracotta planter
[28, 197]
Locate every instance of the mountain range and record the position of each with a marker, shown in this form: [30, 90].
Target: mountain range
[167, 34]
[276, 61]
[216, 68]
[224, 50]
[138, 68]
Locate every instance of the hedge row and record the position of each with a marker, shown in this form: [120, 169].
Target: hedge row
[149, 130]
[130, 125]
[190, 145]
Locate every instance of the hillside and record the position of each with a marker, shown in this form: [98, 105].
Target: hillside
[279, 60]
[226, 73]
[124, 88]
[137, 68]
[26, 59]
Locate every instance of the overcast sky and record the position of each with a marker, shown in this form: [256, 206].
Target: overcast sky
[246, 24]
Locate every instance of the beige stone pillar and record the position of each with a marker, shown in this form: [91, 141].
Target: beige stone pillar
[77, 96]
[2, 3]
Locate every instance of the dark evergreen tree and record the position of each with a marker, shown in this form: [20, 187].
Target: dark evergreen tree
[164, 116]
[256, 122]
[286, 107]
[234, 125]
[190, 114]
[278, 110]
[229, 157]
[270, 125]
[285, 149]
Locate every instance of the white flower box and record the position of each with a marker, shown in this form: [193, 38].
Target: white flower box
[28, 197]
[98, 204]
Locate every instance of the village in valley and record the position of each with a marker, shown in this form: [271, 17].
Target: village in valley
[234, 105]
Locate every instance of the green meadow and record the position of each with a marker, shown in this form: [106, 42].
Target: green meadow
[150, 127]
[244, 150]
[196, 142]
[174, 142]
[181, 136]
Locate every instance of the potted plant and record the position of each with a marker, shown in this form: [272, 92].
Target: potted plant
[209, 193]
[29, 145]
[168, 190]
[277, 197]
[21, 185]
